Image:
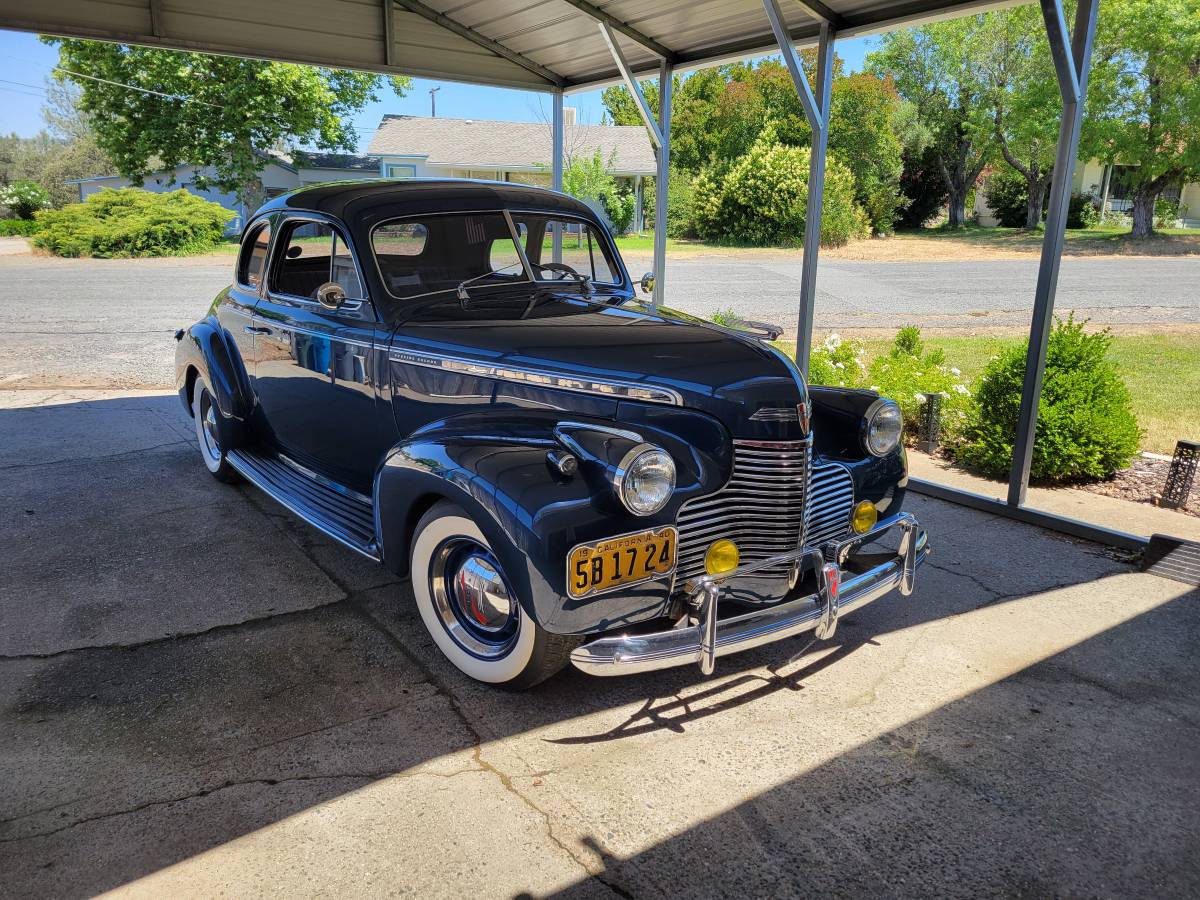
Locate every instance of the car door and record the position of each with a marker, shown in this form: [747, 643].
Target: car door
[316, 371]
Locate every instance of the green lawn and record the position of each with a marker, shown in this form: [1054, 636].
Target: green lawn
[1162, 372]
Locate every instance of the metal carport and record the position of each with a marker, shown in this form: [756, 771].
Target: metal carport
[564, 46]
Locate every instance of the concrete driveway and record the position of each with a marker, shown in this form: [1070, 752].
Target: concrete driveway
[72, 323]
[200, 696]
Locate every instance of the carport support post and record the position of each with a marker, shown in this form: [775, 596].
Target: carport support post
[661, 185]
[556, 166]
[1071, 64]
[816, 110]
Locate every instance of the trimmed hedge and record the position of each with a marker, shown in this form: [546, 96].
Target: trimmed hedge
[1085, 427]
[132, 222]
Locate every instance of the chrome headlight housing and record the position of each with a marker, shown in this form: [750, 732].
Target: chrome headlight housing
[645, 479]
[882, 427]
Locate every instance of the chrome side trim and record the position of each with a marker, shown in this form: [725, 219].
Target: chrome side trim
[697, 643]
[619, 390]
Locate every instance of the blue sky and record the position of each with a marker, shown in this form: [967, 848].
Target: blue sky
[25, 63]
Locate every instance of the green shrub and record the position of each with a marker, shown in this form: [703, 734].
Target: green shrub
[1167, 213]
[1082, 212]
[24, 198]
[1008, 196]
[762, 198]
[1085, 427]
[681, 223]
[18, 227]
[905, 374]
[619, 207]
[133, 222]
[726, 318]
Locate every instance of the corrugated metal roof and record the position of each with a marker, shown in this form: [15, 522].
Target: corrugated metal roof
[482, 143]
[535, 44]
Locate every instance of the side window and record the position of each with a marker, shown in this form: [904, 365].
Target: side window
[253, 259]
[312, 254]
[344, 271]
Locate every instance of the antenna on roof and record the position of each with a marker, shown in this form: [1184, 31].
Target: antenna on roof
[433, 101]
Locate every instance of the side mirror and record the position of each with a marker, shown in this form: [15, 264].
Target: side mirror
[648, 283]
[330, 295]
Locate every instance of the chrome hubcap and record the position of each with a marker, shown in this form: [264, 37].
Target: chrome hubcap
[473, 600]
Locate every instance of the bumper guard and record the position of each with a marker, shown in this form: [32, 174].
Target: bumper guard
[701, 637]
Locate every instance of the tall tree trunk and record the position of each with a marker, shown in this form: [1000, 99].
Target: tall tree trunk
[958, 207]
[1037, 199]
[1143, 211]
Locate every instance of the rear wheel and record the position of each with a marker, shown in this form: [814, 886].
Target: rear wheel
[208, 433]
[471, 611]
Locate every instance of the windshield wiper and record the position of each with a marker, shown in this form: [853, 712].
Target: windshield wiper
[461, 290]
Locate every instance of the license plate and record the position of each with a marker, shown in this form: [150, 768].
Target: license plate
[618, 561]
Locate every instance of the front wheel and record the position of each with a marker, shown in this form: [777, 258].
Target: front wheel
[471, 611]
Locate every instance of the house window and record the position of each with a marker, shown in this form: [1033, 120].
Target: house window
[401, 171]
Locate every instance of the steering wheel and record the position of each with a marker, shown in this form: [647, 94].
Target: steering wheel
[562, 268]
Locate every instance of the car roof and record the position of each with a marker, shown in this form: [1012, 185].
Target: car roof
[349, 200]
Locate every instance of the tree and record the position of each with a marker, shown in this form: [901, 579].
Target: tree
[1144, 97]
[1014, 56]
[158, 109]
[864, 112]
[935, 67]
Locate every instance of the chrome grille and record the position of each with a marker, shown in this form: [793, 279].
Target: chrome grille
[760, 508]
[831, 500]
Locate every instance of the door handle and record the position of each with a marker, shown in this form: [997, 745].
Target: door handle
[254, 329]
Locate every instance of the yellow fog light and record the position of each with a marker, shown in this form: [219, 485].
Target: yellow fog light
[865, 517]
[722, 557]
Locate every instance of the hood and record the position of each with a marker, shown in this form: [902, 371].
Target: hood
[725, 373]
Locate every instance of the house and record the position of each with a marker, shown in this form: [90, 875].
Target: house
[1110, 186]
[282, 173]
[415, 146]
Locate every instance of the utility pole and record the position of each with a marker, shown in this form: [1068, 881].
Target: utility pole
[433, 101]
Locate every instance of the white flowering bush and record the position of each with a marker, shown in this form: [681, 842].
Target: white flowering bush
[837, 362]
[24, 198]
[906, 374]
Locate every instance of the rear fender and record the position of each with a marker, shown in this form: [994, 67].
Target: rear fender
[209, 350]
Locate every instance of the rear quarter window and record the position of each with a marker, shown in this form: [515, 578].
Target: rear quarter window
[253, 260]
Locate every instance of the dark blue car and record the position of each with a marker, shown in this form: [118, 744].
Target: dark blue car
[457, 379]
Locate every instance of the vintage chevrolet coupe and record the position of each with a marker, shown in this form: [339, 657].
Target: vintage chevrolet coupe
[457, 379]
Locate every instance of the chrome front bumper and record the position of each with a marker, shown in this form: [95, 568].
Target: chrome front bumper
[701, 638]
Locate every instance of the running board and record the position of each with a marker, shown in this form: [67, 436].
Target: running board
[345, 515]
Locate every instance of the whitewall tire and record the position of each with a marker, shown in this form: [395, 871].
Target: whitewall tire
[209, 433]
[471, 613]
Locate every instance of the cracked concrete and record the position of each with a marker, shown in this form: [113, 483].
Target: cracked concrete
[200, 695]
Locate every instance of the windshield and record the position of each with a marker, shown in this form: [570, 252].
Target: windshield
[427, 254]
[584, 251]
[422, 255]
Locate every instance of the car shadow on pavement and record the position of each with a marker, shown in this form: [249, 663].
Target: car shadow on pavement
[184, 664]
[1075, 776]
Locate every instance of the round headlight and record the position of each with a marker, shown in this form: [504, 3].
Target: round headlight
[882, 428]
[645, 479]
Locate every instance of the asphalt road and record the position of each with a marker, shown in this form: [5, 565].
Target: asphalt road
[201, 696]
[109, 322]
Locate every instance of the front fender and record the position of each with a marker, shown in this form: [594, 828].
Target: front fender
[211, 351]
[494, 465]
